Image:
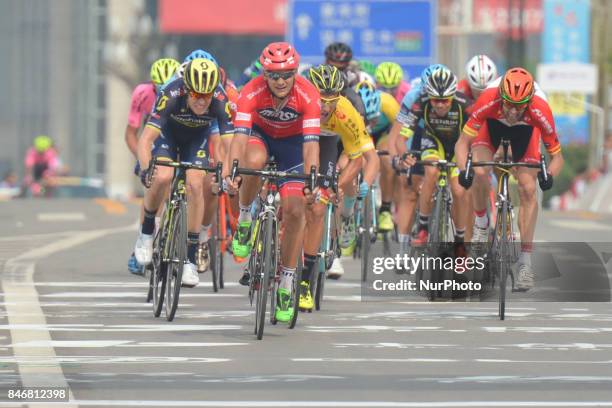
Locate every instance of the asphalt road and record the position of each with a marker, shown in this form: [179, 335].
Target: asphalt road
[72, 316]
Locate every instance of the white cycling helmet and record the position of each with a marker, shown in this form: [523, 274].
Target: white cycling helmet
[480, 71]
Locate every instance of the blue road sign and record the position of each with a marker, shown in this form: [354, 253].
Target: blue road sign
[377, 30]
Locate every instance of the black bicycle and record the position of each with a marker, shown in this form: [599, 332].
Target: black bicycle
[502, 253]
[265, 249]
[170, 242]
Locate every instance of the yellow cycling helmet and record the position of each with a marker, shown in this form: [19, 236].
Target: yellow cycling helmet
[201, 76]
[42, 143]
[163, 69]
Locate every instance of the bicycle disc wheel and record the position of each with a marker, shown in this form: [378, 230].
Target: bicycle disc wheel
[176, 261]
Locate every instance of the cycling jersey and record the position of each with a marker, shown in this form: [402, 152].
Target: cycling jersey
[441, 133]
[232, 95]
[141, 105]
[401, 91]
[42, 164]
[389, 109]
[300, 114]
[464, 87]
[171, 111]
[182, 130]
[346, 122]
[537, 115]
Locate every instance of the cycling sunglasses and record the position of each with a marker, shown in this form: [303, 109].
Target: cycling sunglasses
[328, 100]
[518, 106]
[275, 76]
[197, 95]
[445, 101]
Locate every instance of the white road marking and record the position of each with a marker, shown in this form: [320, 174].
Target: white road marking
[119, 294]
[39, 363]
[375, 329]
[581, 225]
[443, 360]
[61, 216]
[307, 404]
[23, 308]
[118, 343]
[548, 329]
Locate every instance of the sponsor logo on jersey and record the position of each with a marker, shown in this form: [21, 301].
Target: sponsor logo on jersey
[283, 115]
[309, 123]
[542, 120]
[340, 115]
[243, 116]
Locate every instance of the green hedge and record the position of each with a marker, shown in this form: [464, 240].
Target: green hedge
[576, 162]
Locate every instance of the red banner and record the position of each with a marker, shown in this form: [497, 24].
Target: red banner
[266, 17]
[503, 16]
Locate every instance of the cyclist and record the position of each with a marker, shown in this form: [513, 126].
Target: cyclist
[189, 113]
[514, 108]
[141, 105]
[480, 71]
[389, 78]
[381, 111]
[249, 73]
[443, 112]
[340, 55]
[41, 163]
[278, 115]
[338, 118]
[408, 191]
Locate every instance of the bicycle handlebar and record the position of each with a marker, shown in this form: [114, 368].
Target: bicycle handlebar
[508, 165]
[156, 161]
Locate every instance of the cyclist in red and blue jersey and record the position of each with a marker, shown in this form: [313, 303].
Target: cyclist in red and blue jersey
[278, 115]
[189, 114]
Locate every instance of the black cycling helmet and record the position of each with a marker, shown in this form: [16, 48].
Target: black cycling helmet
[326, 78]
[338, 52]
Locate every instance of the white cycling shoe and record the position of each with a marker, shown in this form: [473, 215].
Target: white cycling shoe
[143, 251]
[190, 275]
[526, 278]
[336, 270]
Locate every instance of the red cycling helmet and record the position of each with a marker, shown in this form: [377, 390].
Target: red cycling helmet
[279, 56]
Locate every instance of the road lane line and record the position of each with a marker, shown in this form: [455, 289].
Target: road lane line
[355, 404]
[63, 216]
[23, 309]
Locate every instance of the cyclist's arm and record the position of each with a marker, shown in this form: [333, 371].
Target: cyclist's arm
[396, 143]
[350, 171]
[556, 164]
[372, 166]
[145, 143]
[462, 148]
[131, 139]
[311, 155]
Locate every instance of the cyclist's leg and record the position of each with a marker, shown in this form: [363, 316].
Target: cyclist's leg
[164, 147]
[526, 148]
[256, 159]
[290, 158]
[483, 148]
[431, 152]
[385, 221]
[408, 192]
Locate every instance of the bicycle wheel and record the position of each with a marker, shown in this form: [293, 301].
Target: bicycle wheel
[222, 239]
[149, 268]
[214, 246]
[158, 268]
[502, 260]
[264, 252]
[176, 259]
[274, 278]
[295, 292]
[365, 236]
[434, 243]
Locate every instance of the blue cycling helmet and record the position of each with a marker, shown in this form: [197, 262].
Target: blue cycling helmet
[200, 54]
[427, 72]
[370, 97]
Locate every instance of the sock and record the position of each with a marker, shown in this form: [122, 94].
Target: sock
[525, 256]
[192, 246]
[404, 240]
[423, 222]
[204, 233]
[245, 213]
[459, 234]
[310, 261]
[148, 224]
[287, 275]
[349, 206]
[385, 206]
[481, 220]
